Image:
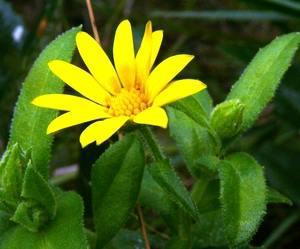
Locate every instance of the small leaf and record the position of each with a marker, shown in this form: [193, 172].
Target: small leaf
[29, 215]
[243, 196]
[193, 140]
[227, 117]
[258, 84]
[273, 196]
[166, 177]
[38, 205]
[65, 231]
[37, 189]
[197, 107]
[29, 123]
[12, 168]
[116, 181]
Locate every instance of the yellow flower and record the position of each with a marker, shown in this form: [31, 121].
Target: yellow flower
[112, 96]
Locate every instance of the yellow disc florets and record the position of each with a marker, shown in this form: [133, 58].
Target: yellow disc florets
[127, 103]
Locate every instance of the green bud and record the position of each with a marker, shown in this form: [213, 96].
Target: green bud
[226, 118]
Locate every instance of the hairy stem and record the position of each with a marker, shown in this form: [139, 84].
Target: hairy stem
[151, 142]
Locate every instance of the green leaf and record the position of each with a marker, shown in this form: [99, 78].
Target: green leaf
[153, 196]
[197, 106]
[193, 140]
[209, 231]
[166, 177]
[38, 205]
[206, 193]
[30, 215]
[29, 123]
[273, 196]
[37, 189]
[12, 168]
[243, 196]
[5, 223]
[65, 231]
[116, 181]
[258, 83]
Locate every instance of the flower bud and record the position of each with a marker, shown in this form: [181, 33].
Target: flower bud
[226, 118]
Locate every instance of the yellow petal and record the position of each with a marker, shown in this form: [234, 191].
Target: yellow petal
[152, 116]
[79, 80]
[97, 62]
[65, 102]
[177, 90]
[143, 57]
[123, 51]
[101, 130]
[74, 118]
[157, 38]
[164, 73]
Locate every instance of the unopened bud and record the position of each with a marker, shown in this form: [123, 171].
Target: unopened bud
[227, 117]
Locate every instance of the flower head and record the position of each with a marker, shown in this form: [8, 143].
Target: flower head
[113, 95]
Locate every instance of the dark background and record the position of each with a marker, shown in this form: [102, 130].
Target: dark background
[223, 34]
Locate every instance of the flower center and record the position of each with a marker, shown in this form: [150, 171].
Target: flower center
[127, 103]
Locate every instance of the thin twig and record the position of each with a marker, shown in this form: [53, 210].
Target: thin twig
[92, 19]
[143, 227]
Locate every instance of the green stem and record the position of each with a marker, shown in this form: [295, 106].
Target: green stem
[151, 142]
[281, 229]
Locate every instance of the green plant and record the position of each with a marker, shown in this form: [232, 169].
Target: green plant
[228, 197]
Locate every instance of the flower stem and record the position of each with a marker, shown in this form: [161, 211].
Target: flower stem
[151, 142]
[92, 20]
[143, 227]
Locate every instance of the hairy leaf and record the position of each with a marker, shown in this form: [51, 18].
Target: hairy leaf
[166, 177]
[39, 205]
[243, 196]
[258, 83]
[209, 231]
[12, 168]
[29, 124]
[116, 181]
[153, 196]
[65, 231]
[273, 196]
[193, 140]
[197, 106]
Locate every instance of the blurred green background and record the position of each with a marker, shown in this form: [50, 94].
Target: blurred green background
[223, 34]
